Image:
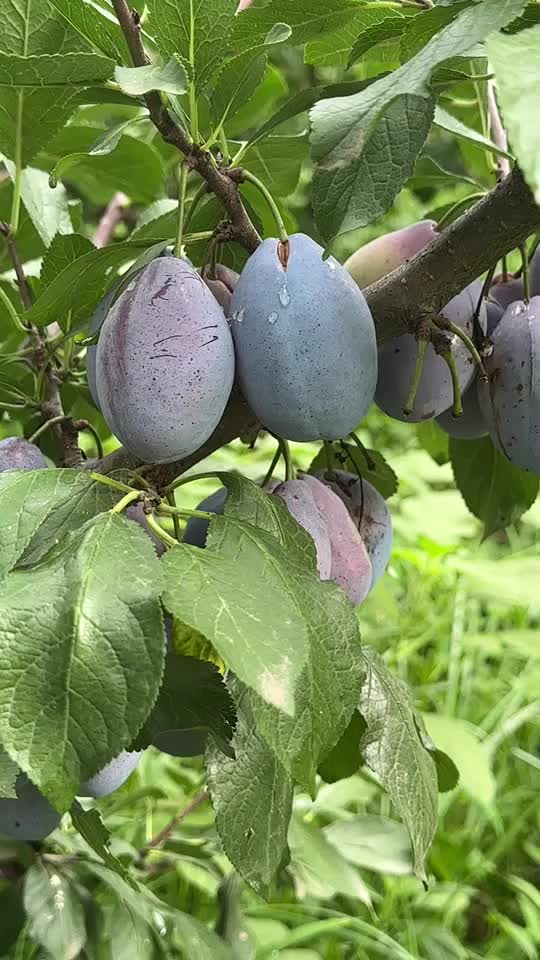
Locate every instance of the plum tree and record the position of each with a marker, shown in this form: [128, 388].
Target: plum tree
[384, 254]
[369, 513]
[112, 776]
[305, 341]
[165, 362]
[300, 502]
[471, 424]
[510, 401]
[181, 743]
[16, 453]
[135, 512]
[29, 817]
[196, 528]
[351, 567]
[222, 285]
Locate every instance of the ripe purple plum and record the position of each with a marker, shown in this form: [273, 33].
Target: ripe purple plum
[384, 254]
[300, 502]
[112, 776]
[30, 816]
[305, 341]
[165, 362]
[222, 285]
[95, 325]
[197, 529]
[510, 401]
[16, 453]
[505, 292]
[494, 312]
[471, 424]
[369, 513]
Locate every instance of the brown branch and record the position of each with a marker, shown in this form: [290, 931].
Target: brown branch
[200, 160]
[160, 838]
[112, 216]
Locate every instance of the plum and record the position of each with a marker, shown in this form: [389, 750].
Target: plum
[135, 512]
[471, 424]
[505, 292]
[397, 360]
[165, 362]
[112, 776]
[494, 312]
[384, 254]
[351, 567]
[305, 341]
[534, 273]
[369, 513]
[30, 817]
[300, 502]
[222, 285]
[181, 743]
[16, 453]
[510, 401]
[197, 529]
[95, 325]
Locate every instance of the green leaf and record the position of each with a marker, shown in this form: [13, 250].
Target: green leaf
[307, 21]
[27, 122]
[446, 121]
[252, 798]
[345, 759]
[101, 652]
[13, 916]
[515, 61]
[40, 507]
[419, 30]
[494, 489]
[374, 843]
[8, 774]
[434, 440]
[192, 696]
[393, 750]
[369, 464]
[53, 70]
[376, 26]
[104, 145]
[198, 32]
[235, 85]
[369, 26]
[461, 742]
[55, 914]
[277, 161]
[64, 249]
[365, 145]
[48, 212]
[319, 869]
[93, 830]
[428, 172]
[135, 81]
[97, 25]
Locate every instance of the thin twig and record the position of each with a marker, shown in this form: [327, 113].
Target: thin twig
[160, 838]
[498, 133]
[112, 216]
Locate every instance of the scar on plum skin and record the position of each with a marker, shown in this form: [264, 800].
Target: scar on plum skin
[178, 336]
[162, 290]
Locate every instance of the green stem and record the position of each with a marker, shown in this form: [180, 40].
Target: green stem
[16, 202]
[125, 501]
[286, 451]
[418, 371]
[349, 455]
[109, 482]
[223, 145]
[458, 206]
[14, 316]
[445, 324]
[97, 439]
[457, 407]
[45, 426]
[251, 178]
[182, 175]
[371, 465]
[197, 197]
[181, 481]
[270, 472]
[193, 111]
[160, 532]
[176, 519]
[184, 512]
[526, 280]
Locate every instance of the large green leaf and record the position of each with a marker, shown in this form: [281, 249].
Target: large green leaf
[306, 20]
[372, 842]
[494, 489]
[515, 60]
[53, 70]
[319, 868]
[235, 85]
[81, 659]
[393, 750]
[97, 25]
[35, 27]
[371, 24]
[62, 251]
[252, 797]
[54, 911]
[277, 161]
[30, 118]
[198, 32]
[365, 146]
[48, 211]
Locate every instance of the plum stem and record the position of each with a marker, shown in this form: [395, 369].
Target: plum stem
[286, 452]
[270, 472]
[249, 177]
[182, 175]
[445, 324]
[176, 519]
[421, 346]
[45, 426]
[160, 532]
[478, 333]
[457, 207]
[181, 481]
[125, 501]
[184, 512]
[371, 465]
[196, 199]
[97, 439]
[450, 360]
[526, 278]
[109, 482]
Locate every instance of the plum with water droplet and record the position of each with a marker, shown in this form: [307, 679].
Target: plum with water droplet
[16, 453]
[29, 817]
[165, 363]
[384, 254]
[510, 401]
[305, 341]
[112, 776]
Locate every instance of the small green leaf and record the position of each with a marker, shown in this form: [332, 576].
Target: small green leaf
[345, 759]
[252, 799]
[278, 33]
[136, 81]
[305, 20]
[515, 60]
[461, 742]
[54, 912]
[93, 830]
[320, 870]
[494, 489]
[63, 250]
[434, 440]
[277, 161]
[369, 464]
[446, 121]
[235, 85]
[104, 145]
[374, 843]
[393, 750]
[192, 696]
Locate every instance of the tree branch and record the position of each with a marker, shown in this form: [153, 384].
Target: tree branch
[112, 216]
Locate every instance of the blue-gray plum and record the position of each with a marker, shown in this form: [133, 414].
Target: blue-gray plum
[351, 567]
[384, 254]
[397, 360]
[30, 817]
[471, 424]
[505, 292]
[222, 285]
[181, 743]
[510, 401]
[196, 528]
[300, 502]
[369, 513]
[112, 776]
[165, 362]
[16, 453]
[305, 341]
[135, 512]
